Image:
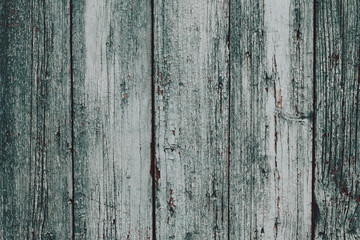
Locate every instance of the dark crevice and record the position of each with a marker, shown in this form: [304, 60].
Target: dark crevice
[229, 121]
[72, 121]
[31, 113]
[43, 95]
[314, 207]
[152, 164]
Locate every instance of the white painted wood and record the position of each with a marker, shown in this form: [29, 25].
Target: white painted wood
[112, 81]
[271, 119]
[191, 108]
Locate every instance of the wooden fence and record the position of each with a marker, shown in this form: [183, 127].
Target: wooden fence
[179, 119]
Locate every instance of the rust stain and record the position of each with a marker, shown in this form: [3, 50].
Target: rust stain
[139, 232]
[298, 34]
[147, 235]
[157, 174]
[125, 96]
[36, 29]
[280, 100]
[128, 236]
[275, 63]
[171, 201]
[333, 60]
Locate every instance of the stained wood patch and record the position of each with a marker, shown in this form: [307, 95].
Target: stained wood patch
[336, 193]
[35, 120]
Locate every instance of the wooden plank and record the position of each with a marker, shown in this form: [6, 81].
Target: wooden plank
[337, 174]
[112, 104]
[191, 118]
[271, 119]
[35, 173]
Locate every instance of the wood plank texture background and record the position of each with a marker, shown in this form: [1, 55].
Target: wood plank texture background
[271, 119]
[179, 119]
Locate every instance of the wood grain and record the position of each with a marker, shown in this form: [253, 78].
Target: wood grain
[35, 173]
[112, 104]
[271, 119]
[207, 119]
[191, 118]
[337, 108]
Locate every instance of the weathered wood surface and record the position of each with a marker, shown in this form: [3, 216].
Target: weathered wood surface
[179, 119]
[337, 119]
[35, 158]
[112, 132]
[271, 119]
[191, 107]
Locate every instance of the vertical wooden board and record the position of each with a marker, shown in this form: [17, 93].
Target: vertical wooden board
[271, 46]
[337, 104]
[35, 128]
[191, 118]
[112, 120]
